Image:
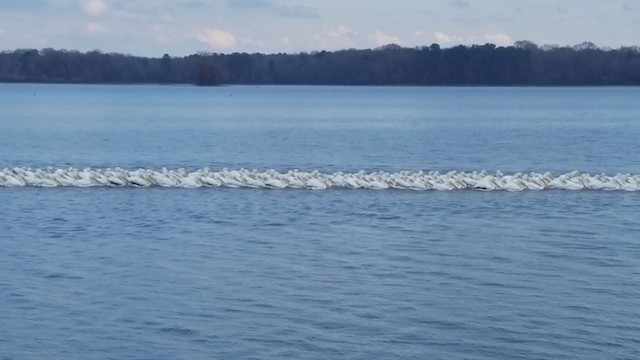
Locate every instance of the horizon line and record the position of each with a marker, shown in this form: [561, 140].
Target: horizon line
[524, 44]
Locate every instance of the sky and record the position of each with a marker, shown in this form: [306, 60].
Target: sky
[183, 27]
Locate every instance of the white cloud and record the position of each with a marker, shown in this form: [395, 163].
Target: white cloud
[217, 38]
[93, 7]
[336, 36]
[96, 28]
[341, 32]
[443, 38]
[379, 38]
[2, 32]
[499, 38]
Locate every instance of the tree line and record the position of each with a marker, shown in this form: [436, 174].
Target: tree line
[523, 63]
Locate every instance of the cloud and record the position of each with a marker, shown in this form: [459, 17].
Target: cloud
[341, 31]
[96, 28]
[336, 36]
[499, 38]
[217, 38]
[2, 32]
[379, 38]
[299, 11]
[629, 7]
[248, 4]
[93, 7]
[443, 38]
[461, 4]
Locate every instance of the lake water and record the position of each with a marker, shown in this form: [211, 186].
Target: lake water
[176, 273]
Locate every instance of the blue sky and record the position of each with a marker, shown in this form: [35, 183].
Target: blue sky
[181, 27]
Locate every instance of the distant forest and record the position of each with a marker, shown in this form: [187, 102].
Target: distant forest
[524, 63]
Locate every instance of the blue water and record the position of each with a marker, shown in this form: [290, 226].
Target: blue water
[109, 273]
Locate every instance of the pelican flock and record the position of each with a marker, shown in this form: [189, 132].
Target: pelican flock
[296, 179]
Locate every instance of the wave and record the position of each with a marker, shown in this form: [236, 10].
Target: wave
[296, 179]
